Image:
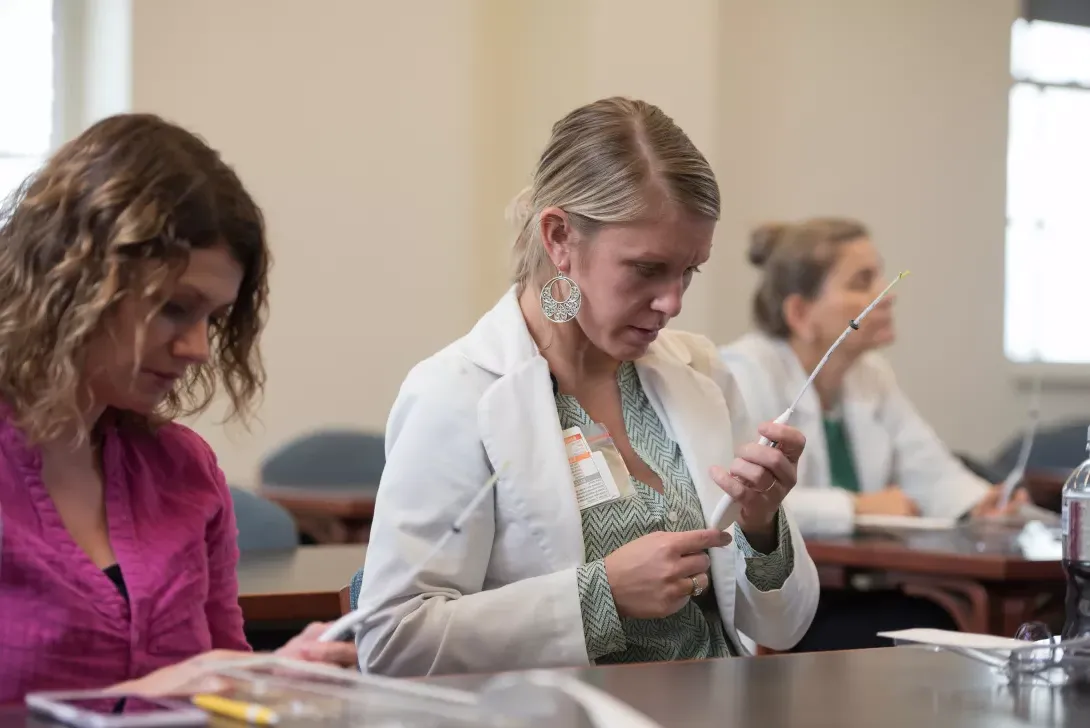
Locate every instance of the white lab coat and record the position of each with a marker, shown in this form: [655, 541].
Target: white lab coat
[504, 596]
[890, 442]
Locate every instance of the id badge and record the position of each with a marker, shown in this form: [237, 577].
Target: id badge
[597, 470]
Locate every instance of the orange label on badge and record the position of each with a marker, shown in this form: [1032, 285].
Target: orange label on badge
[593, 481]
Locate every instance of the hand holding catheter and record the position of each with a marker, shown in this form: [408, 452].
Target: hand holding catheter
[724, 514]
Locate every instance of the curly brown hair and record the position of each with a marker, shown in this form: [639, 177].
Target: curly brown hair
[114, 213]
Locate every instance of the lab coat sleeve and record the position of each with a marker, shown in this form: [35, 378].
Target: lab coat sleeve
[923, 466]
[822, 511]
[444, 620]
[777, 618]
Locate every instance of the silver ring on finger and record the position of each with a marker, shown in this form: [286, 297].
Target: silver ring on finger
[774, 484]
[697, 589]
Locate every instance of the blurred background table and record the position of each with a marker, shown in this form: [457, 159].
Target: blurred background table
[328, 480]
[977, 572]
[280, 592]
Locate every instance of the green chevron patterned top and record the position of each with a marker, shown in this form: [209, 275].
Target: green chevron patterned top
[696, 631]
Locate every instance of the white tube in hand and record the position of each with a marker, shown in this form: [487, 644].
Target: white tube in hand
[781, 420]
[727, 511]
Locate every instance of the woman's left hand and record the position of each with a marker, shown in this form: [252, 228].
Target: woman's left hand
[761, 477]
[305, 646]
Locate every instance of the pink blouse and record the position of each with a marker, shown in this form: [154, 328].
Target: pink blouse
[64, 625]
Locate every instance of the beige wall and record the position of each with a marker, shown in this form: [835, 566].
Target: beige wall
[893, 112]
[385, 138]
[351, 123]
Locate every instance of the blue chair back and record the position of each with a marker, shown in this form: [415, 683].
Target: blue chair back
[262, 524]
[330, 459]
[1060, 446]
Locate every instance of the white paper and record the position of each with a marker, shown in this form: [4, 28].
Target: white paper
[947, 638]
[916, 523]
[1038, 543]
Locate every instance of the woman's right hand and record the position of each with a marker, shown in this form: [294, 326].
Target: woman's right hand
[652, 577]
[305, 646]
[890, 501]
[183, 678]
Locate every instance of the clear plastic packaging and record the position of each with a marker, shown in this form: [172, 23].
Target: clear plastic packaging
[305, 693]
[323, 696]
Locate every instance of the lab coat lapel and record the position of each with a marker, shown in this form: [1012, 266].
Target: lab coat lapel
[521, 433]
[695, 415]
[694, 412]
[870, 444]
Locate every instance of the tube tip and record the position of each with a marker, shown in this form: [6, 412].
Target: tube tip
[903, 274]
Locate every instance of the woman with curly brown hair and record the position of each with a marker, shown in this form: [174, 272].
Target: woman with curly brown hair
[132, 287]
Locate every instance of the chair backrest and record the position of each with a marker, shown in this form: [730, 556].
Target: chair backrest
[330, 458]
[1059, 446]
[262, 524]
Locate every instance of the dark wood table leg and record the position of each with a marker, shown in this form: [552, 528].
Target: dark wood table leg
[968, 602]
[989, 608]
[1015, 606]
[998, 608]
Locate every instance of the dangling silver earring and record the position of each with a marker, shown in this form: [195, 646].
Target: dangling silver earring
[561, 312]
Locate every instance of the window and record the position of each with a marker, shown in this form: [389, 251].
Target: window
[1048, 191]
[26, 75]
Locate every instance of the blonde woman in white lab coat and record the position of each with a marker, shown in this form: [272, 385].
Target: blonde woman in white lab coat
[869, 451]
[622, 210]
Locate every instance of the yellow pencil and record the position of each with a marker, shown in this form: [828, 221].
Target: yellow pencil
[248, 712]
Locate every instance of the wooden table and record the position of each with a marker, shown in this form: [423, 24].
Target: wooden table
[896, 686]
[976, 572]
[328, 514]
[301, 585]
